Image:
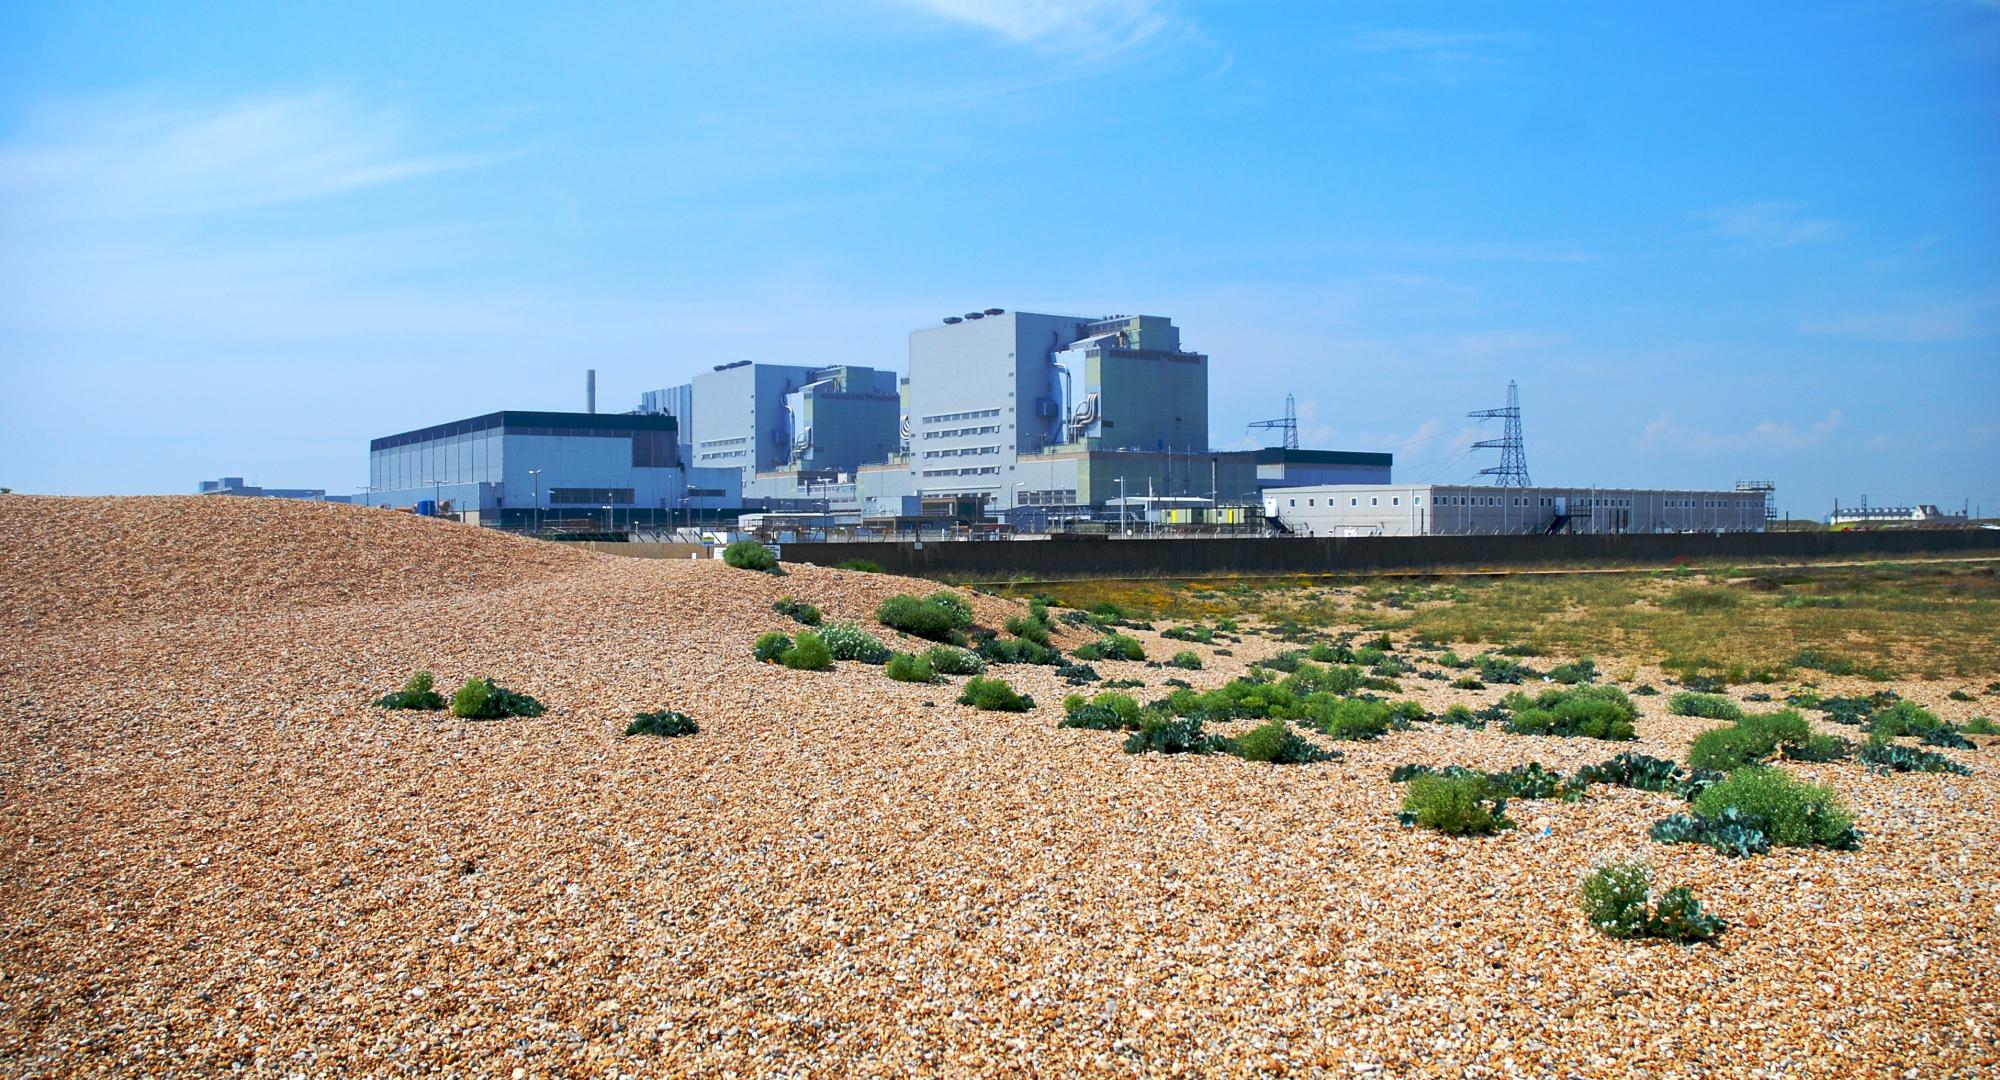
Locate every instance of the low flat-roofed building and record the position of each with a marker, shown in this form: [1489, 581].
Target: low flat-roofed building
[504, 467]
[1462, 510]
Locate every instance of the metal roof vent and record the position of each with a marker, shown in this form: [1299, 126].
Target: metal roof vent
[996, 311]
[951, 319]
[975, 314]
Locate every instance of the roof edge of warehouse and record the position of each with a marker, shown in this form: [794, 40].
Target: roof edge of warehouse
[531, 418]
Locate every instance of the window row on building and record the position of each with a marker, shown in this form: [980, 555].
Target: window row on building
[945, 418]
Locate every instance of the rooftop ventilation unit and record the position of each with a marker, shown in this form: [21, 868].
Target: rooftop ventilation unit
[996, 311]
[975, 314]
[951, 319]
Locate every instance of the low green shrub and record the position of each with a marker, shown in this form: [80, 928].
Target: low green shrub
[1288, 661]
[1793, 812]
[662, 723]
[1028, 629]
[1460, 716]
[1617, 899]
[1707, 706]
[797, 610]
[941, 616]
[1467, 682]
[1352, 718]
[1888, 757]
[1645, 773]
[1583, 671]
[1313, 679]
[483, 699]
[1112, 647]
[1462, 804]
[1909, 718]
[1197, 633]
[1274, 741]
[1108, 711]
[418, 693]
[847, 641]
[1960, 695]
[946, 660]
[1593, 712]
[1530, 781]
[994, 695]
[1731, 832]
[1187, 660]
[808, 653]
[1757, 737]
[1330, 653]
[866, 566]
[999, 650]
[750, 555]
[1075, 674]
[1498, 669]
[771, 647]
[906, 667]
[1163, 735]
[1981, 725]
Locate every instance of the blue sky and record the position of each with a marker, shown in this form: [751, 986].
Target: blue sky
[1711, 241]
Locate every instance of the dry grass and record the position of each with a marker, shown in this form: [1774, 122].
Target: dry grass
[1935, 619]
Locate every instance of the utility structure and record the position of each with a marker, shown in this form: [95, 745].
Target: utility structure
[1765, 490]
[1288, 423]
[1513, 468]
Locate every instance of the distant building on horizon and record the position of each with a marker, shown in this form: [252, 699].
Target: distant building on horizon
[1920, 514]
[234, 485]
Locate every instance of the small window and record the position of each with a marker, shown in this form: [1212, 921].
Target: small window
[1397, 501]
[1291, 502]
[1416, 500]
[1373, 501]
[1353, 502]
[1310, 502]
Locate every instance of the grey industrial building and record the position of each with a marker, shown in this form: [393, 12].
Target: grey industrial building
[511, 468]
[1460, 510]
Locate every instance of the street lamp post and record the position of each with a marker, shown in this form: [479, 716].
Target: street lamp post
[1121, 508]
[536, 476]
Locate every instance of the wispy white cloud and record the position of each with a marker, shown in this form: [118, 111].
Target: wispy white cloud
[1665, 434]
[1443, 57]
[1766, 225]
[114, 217]
[1922, 323]
[139, 158]
[1094, 28]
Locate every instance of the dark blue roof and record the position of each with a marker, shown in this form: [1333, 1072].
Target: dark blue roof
[581, 423]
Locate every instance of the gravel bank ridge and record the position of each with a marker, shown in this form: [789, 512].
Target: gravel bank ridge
[217, 855]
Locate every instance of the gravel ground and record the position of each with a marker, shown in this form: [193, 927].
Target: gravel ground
[217, 855]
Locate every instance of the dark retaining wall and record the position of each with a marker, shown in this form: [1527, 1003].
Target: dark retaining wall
[1045, 560]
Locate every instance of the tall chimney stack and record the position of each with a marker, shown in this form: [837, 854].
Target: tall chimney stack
[590, 390]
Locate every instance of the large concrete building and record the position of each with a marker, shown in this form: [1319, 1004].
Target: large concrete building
[504, 467]
[1454, 510]
[785, 418]
[1009, 409]
[677, 402]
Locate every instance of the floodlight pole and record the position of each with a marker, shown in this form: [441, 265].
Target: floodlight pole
[536, 476]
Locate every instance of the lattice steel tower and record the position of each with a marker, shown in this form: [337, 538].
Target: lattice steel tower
[1513, 468]
[1287, 425]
